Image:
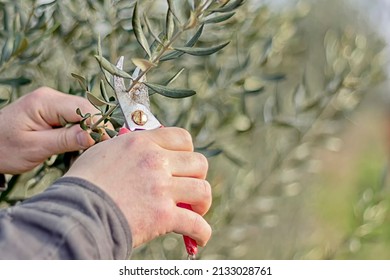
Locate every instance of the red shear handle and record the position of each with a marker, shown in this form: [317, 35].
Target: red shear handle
[191, 245]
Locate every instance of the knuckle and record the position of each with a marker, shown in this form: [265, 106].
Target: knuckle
[63, 142]
[196, 225]
[201, 230]
[202, 162]
[185, 136]
[36, 96]
[163, 215]
[207, 193]
[135, 140]
[159, 186]
[139, 138]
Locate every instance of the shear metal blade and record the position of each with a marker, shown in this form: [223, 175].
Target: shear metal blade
[134, 103]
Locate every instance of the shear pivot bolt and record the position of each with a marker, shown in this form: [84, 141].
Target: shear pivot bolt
[139, 117]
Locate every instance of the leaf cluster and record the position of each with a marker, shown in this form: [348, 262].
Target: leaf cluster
[164, 47]
[263, 103]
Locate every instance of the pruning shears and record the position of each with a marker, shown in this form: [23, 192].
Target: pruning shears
[135, 106]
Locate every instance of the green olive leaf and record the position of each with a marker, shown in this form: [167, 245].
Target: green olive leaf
[169, 25]
[274, 77]
[83, 124]
[143, 64]
[168, 81]
[170, 92]
[5, 97]
[219, 18]
[174, 77]
[7, 50]
[208, 152]
[96, 101]
[190, 43]
[256, 91]
[202, 51]
[232, 5]
[97, 137]
[20, 44]
[110, 132]
[82, 81]
[16, 82]
[151, 31]
[78, 112]
[103, 91]
[171, 6]
[138, 32]
[111, 68]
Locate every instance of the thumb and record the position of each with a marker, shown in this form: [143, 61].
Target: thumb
[65, 139]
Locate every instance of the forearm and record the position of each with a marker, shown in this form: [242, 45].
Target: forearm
[72, 219]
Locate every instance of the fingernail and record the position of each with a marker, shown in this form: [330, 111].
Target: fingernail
[82, 139]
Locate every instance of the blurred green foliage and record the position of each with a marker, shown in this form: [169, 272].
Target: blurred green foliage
[282, 87]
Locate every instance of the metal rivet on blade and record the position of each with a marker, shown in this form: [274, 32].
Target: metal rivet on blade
[139, 117]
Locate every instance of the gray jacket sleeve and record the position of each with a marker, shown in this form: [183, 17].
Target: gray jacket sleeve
[72, 219]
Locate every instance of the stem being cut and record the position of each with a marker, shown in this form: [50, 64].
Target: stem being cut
[193, 22]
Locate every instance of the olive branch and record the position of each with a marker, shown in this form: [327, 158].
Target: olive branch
[168, 45]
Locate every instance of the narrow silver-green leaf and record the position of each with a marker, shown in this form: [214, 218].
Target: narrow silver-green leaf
[169, 25]
[97, 137]
[169, 81]
[20, 44]
[254, 91]
[139, 33]
[219, 18]
[99, 47]
[266, 51]
[5, 97]
[111, 68]
[209, 152]
[171, 6]
[190, 43]
[143, 64]
[6, 52]
[174, 77]
[158, 44]
[6, 19]
[83, 124]
[108, 77]
[170, 92]
[78, 112]
[45, 5]
[103, 91]
[202, 51]
[97, 101]
[274, 77]
[16, 82]
[82, 81]
[195, 38]
[231, 6]
[151, 31]
[110, 132]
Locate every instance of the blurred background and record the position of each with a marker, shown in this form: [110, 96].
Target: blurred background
[293, 114]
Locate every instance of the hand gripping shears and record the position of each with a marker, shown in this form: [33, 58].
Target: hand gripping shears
[135, 106]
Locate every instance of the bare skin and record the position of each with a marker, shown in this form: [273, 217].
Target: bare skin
[146, 172]
[30, 131]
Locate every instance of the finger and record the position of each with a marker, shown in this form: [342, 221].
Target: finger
[60, 140]
[188, 164]
[170, 138]
[196, 192]
[193, 225]
[56, 105]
